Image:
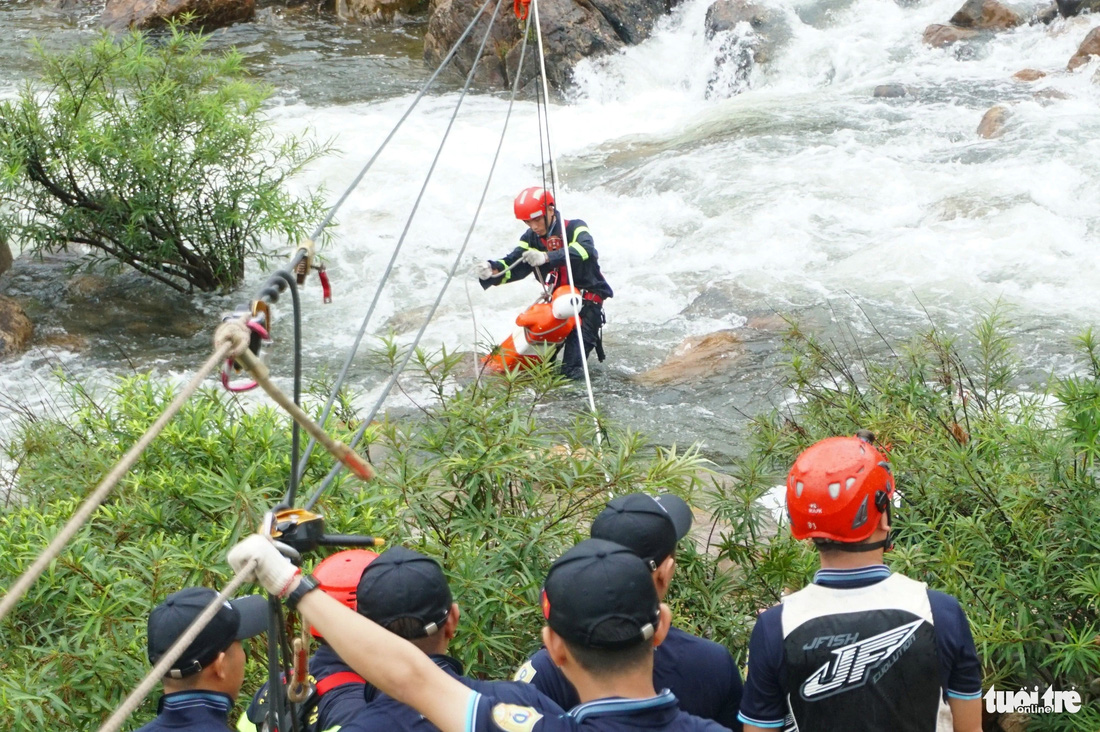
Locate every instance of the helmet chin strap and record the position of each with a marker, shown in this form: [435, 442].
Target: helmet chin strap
[887, 543]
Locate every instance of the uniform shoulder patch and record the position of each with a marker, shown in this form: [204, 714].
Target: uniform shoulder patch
[525, 673]
[515, 718]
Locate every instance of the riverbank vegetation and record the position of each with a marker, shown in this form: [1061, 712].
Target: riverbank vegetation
[999, 507]
[152, 152]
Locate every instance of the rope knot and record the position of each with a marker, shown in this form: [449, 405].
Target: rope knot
[235, 334]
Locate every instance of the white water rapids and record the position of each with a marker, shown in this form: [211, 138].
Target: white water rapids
[801, 195]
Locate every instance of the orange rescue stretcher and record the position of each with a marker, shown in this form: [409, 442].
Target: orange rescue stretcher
[539, 331]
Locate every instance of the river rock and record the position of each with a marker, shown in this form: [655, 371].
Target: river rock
[696, 358]
[993, 122]
[939, 36]
[572, 30]
[376, 10]
[891, 91]
[1070, 8]
[986, 15]
[122, 14]
[16, 328]
[1028, 75]
[752, 34]
[1089, 47]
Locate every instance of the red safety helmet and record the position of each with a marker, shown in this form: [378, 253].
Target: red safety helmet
[532, 203]
[837, 490]
[339, 576]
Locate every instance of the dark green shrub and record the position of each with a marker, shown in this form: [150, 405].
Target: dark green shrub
[153, 154]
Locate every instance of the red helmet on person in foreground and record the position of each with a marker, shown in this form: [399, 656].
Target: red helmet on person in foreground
[532, 203]
[339, 576]
[838, 489]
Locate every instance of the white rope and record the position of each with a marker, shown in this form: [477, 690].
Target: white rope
[557, 188]
[137, 696]
[223, 348]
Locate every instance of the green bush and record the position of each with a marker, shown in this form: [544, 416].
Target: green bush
[153, 154]
[999, 503]
[489, 478]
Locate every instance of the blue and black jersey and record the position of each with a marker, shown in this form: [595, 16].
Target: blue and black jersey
[860, 650]
[700, 673]
[580, 246]
[660, 713]
[194, 711]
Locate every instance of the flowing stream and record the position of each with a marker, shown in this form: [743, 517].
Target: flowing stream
[802, 195]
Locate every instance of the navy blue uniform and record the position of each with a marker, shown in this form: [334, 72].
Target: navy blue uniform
[859, 650]
[383, 713]
[701, 673]
[191, 711]
[657, 713]
[337, 706]
[587, 277]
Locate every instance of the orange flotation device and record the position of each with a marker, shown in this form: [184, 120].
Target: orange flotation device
[539, 330]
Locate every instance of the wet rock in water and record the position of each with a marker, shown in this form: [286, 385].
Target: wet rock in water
[122, 14]
[939, 36]
[753, 33]
[1089, 47]
[986, 15]
[993, 121]
[696, 358]
[1047, 15]
[406, 321]
[1070, 8]
[16, 328]
[891, 91]
[572, 30]
[1029, 75]
[1049, 95]
[374, 11]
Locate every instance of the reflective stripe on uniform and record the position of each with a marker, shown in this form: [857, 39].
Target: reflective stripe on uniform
[577, 247]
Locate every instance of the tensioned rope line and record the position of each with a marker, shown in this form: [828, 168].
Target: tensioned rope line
[450, 275]
[137, 696]
[226, 347]
[557, 187]
[424, 90]
[338, 384]
[397, 248]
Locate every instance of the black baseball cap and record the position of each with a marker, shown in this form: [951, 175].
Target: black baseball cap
[599, 594]
[236, 620]
[402, 583]
[648, 526]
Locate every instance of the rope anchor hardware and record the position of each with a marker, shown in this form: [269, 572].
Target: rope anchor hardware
[258, 336]
[521, 8]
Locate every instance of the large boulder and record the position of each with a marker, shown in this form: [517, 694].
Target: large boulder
[696, 358]
[122, 14]
[15, 327]
[993, 122]
[751, 33]
[376, 10]
[1089, 47]
[572, 30]
[986, 15]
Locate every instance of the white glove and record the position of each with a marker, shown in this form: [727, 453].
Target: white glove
[535, 258]
[483, 270]
[273, 570]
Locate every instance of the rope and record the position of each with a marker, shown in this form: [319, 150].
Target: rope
[454, 267]
[228, 343]
[397, 247]
[568, 258]
[137, 696]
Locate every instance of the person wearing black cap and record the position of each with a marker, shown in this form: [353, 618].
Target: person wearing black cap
[701, 673]
[203, 683]
[603, 621]
[407, 594]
